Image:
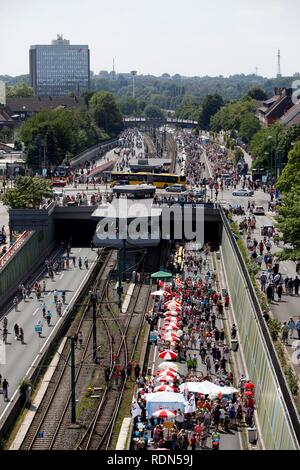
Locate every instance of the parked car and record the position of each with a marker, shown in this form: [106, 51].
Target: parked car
[58, 183]
[243, 192]
[259, 210]
[57, 193]
[176, 188]
[197, 192]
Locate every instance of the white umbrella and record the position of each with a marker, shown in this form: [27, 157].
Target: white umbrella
[158, 293]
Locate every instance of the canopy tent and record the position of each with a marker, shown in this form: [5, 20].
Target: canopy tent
[161, 275]
[206, 388]
[158, 293]
[168, 365]
[170, 400]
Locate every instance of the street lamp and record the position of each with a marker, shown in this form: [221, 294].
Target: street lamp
[133, 73]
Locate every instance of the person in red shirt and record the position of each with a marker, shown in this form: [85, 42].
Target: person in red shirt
[226, 300]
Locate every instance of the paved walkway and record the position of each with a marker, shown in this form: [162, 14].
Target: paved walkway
[18, 357]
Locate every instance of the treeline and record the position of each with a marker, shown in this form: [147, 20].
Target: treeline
[54, 136]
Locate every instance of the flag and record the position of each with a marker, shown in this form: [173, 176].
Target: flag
[135, 409]
[190, 406]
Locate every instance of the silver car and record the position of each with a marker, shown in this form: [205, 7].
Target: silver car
[243, 192]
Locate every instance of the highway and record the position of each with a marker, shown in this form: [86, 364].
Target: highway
[19, 357]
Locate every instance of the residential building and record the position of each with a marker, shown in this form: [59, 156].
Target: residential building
[292, 117]
[273, 109]
[60, 68]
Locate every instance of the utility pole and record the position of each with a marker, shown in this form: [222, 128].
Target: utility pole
[94, 303]
[73, 382]
[133, 73]
[119, 290]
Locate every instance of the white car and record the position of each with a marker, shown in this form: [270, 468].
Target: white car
[259, 210]
[243, 192]
[57, 193]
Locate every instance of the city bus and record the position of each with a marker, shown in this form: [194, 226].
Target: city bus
[160, 180]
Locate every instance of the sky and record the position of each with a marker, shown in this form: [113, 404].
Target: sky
[189, 37]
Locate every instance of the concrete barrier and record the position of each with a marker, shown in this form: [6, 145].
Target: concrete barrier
[276, 411]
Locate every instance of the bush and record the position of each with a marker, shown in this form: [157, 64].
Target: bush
[24, 385]
[274, 327]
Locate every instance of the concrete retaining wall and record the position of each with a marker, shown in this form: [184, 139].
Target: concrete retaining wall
[25, 260]
[278, 417]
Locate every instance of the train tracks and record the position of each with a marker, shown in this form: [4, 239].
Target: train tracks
[48, 421]
[119, 334]
[99, 433]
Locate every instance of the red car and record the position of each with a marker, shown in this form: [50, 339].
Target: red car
[59, 183]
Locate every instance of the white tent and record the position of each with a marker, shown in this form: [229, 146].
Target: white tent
[206, 388]
[168, 400]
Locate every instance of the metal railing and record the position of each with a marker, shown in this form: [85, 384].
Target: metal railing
[11, 251]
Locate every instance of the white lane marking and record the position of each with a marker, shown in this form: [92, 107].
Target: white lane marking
[79, 250]
[61, 276]
[35, 312]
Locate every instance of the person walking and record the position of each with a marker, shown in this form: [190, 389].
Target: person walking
[296, 285]
[48, 317]
[279, 292]
[285, 333]
[16, 303]
[80, 262]
[292, 327]
[298, 327]
[208, 364]
[5, 386]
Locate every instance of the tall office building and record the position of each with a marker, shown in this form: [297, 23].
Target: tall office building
[59, 68]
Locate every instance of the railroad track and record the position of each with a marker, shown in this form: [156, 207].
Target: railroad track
[99, 433]
[46, 428]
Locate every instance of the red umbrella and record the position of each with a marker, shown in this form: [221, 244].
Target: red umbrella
[249, 394]
[168, 355]
[170, 327]
[164, 388]
[249, 385]
[168, 373]
[170, 314]
[164, 413]
[171, 337]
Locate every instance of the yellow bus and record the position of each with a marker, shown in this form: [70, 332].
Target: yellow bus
[160, 180]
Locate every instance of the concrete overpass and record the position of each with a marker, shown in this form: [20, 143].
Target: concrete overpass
[157, 122]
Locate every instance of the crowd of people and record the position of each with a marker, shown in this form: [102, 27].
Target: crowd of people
[202, 355]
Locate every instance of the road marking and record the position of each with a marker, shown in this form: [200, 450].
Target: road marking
[79, 250]
[61, 276]
[35, 312]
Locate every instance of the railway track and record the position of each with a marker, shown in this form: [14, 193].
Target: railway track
[99, 433]
[46, 428]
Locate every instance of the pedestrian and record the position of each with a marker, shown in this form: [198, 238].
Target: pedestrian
[86, 263]
[80, 262]
[129, 370]
[279, 292]
[5, 386]
[296, 285]
[208, 364]
[107, 375]
[48, 317]
[292, 326]
[63, 295]
[284, 333]
[137, 371]
[80, 339]
[16, 303]
[16, 329]
[298, 327]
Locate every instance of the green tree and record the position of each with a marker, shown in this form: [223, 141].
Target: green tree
[264, 146]
[286, 141]
[249, 125]
[27, 193]
[258, 94]
[210, 106]
[21, 90]
[153, 111]
[106, 113]
[290, 176]
[289, 217]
